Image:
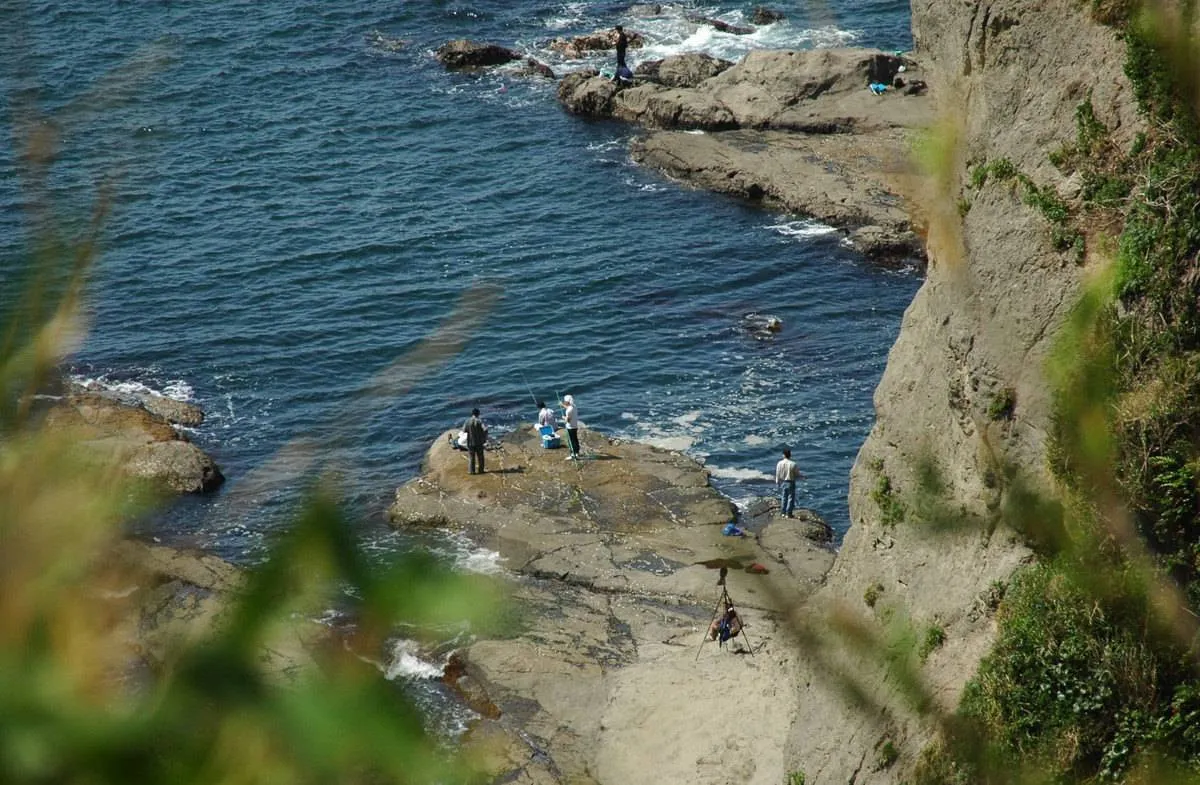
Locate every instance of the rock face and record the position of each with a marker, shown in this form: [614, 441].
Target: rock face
[797, 131]
[983, 322]
[617, 558]
[144, 443]
[472, 54]
[166, 596]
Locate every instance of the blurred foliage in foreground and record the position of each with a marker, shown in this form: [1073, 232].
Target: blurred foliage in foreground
[79, 700]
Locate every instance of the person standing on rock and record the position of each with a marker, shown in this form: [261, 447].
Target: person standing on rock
[571, 415]
[786, 474]
[622, 45]
[476, 437]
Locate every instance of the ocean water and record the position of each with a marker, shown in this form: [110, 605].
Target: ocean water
[301, 195]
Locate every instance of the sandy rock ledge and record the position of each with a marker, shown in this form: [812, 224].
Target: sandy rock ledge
[615, 560]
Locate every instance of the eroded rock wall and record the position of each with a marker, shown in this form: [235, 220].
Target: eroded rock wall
[1010, 76]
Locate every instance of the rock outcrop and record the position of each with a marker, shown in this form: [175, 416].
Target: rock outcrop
[981, 326]
[599, 41]
[798, 131]
[144, 443]
[165, 597]
[463, 53]
[617, 558]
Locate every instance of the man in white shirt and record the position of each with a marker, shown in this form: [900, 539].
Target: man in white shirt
[786, 474]
[571, 415]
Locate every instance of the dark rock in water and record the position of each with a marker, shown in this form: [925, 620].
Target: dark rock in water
[689, 70]
[534, 67]
[766, 16]
[472, 54]
[761, 326]
[599, 41]
[723, 27]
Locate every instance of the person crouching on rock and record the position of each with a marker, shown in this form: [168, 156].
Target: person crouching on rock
[546, 416]
[476, 438]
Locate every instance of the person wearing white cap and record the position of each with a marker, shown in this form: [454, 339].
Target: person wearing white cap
[571, 416]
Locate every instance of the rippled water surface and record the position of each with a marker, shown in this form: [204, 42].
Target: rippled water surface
[302, 194]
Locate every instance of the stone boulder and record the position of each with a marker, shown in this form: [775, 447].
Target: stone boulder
[173, 411]
[587, 93]
[599, 41]
[144, 443]
[463, 53]
[686, 70]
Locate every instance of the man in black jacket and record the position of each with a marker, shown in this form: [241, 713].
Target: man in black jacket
[622, 44]
[476, 438]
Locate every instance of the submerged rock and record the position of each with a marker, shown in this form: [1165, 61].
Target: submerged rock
[463, 53]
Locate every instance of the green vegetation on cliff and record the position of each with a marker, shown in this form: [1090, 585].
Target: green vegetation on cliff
[1096, 672]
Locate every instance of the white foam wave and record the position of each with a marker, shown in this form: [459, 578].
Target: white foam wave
[176, 389]
[688, 419]
[802, 228]
[480, 561]
[570, 15]
[754, 440]
[406, 664]
[608, 145]
[663, 441]
[737, 474]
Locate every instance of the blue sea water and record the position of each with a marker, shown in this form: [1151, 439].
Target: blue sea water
[301, 195]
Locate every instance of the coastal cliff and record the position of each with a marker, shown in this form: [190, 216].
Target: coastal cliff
[964, 397]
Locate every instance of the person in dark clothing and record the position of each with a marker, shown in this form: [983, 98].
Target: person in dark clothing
[476, 438]
[622, 45]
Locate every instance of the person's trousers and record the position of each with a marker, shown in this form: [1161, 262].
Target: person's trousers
[573, 436]
[476, 453]
[787, 497]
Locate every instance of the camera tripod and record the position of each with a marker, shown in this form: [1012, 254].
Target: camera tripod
[728, 616]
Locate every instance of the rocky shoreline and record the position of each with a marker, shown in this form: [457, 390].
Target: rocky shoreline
[795, 130]
[615, 561]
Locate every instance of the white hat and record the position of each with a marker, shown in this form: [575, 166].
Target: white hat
[568, 399]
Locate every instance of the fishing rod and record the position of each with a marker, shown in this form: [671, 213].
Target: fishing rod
[528, 387]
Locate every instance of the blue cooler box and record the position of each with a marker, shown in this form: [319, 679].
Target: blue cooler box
[549, 440]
